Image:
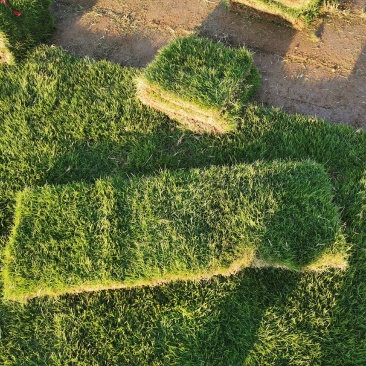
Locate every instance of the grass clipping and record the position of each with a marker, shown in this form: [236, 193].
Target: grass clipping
[184, 225]
[201, 84]
[18, 34]
[296, 13]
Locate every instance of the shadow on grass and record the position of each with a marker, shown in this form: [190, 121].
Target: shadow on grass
[209, 322]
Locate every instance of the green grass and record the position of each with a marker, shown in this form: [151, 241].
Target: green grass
[181, 225]
[297, 13]
[195, 79]
[20, 34]
[64, 121]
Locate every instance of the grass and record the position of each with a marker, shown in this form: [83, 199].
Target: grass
[68, 121]
[200, 83]
[173, 226]
[297, 13]
[19, 34]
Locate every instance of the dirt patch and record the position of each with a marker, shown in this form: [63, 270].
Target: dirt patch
[320, 71]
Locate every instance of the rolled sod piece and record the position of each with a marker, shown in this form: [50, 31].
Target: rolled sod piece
[202, 84]
[182, 225]
[296, 13]
[23, 25]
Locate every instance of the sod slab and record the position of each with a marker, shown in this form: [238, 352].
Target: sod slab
[296, 13]
[173, 226]
[199, 83]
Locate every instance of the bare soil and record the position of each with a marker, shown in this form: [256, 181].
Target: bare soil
[320, 71]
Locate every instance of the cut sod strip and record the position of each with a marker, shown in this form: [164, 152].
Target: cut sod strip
[184, 225]
[199, 83]
[297, 13]
[23, 25]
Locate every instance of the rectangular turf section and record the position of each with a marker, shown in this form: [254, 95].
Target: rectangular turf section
[23, 25]
[296, 13]
[199, 83]
[176, 225]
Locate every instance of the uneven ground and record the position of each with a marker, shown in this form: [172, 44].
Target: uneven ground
[320, 71]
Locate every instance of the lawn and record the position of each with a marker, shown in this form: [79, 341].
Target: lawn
[73, 122]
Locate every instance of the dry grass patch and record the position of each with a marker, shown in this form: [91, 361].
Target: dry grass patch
[5, 55]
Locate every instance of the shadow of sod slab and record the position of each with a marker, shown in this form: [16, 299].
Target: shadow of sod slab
[175, 225]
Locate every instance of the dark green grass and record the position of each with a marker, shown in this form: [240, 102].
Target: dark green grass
[20, 34]
[205, 74]
[181, 225]
[64, 120]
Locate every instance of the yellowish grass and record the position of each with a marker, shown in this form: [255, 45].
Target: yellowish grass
[295, 4]
[295, 22]
[327, 261]
[189, 114]
[5, 56]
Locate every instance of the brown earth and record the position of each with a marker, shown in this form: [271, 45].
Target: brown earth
[320, 71]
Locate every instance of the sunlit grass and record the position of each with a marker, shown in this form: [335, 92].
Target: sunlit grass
[202, 84]
[173, 226]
